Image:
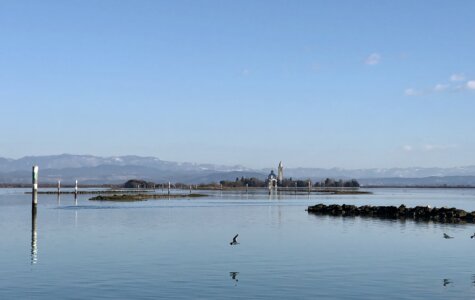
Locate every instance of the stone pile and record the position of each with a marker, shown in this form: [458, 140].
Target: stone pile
[422, 213]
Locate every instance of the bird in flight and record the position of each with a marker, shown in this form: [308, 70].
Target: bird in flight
[234, 242]
[446, 236]
[447, 282]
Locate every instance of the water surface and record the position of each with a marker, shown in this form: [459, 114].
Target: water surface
[180, 248]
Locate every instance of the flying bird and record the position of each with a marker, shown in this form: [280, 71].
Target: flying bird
[446, 236]
[234, 242]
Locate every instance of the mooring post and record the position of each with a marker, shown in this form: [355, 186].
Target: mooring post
[296, 188]
[76, 187]
[169, 188]
[34, 199]
[247, 187]
[190, 188]
[309, 186]
[59, 187]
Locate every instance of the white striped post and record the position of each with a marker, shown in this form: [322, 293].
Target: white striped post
[76, 187]
[34, 199]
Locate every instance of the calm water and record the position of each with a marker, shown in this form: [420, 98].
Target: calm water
[180, 248]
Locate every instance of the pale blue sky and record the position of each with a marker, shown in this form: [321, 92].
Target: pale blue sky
[353, 84]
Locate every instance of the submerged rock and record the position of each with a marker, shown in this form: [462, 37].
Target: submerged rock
[418, 213]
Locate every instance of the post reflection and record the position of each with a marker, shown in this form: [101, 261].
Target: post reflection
[34, 239]
[234, 277]
[446, 282]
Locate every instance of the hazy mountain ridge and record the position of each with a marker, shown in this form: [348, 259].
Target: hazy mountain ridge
[117, 169]
[413, 172]
[64, 161]
[424, 181]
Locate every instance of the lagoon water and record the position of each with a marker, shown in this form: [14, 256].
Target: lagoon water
[179, 249]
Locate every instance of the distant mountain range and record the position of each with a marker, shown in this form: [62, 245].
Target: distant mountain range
[90, 169]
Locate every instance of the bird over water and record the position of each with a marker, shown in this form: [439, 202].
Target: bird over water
[234, 242]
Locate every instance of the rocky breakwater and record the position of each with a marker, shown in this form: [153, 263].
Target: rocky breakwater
[418, 213]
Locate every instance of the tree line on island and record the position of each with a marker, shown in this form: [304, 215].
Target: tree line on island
[242, 182]
[288, 182]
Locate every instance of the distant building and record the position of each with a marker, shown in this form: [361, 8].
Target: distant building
[273, 181]
[280, 172]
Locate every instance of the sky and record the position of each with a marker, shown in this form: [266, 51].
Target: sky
[349, 84]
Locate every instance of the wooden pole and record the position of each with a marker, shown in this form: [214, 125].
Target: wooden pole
[247, 187]
[59, 187]
[190, 189]
[169, 188]
[34, 199]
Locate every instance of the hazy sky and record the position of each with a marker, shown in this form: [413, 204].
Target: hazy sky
[313, 83]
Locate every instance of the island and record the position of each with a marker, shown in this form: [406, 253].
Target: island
[142, 197]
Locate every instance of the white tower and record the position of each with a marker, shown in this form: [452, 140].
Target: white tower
[280, 172]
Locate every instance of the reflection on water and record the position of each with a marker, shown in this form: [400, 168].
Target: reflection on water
[446, 281]
[34, 238]
[234, 277]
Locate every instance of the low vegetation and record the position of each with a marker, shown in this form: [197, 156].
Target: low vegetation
[142, 197]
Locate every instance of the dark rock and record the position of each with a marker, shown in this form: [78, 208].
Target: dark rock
[418, 213]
